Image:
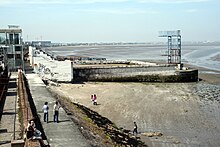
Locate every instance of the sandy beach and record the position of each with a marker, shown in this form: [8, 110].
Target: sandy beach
[187, 114]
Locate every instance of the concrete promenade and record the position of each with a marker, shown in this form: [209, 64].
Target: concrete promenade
[62, 134]
[9, 124]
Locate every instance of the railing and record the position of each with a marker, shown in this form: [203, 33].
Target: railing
[26, 112]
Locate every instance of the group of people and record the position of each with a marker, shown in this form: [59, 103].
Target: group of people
[34, 133]
[56, 108]
[94, 99]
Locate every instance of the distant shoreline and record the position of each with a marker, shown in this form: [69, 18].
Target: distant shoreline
[205, 55]
[216, 58]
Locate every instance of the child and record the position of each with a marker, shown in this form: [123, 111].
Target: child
[94, 100]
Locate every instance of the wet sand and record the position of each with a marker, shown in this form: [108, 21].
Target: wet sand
[187, 114]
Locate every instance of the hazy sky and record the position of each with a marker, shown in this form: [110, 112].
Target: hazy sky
[112, 20]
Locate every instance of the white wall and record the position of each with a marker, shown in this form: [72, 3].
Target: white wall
[48, 68]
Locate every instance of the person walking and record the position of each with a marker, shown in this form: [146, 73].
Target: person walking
[45, 109]
[135, 128]
[94, 99]
[56, 108]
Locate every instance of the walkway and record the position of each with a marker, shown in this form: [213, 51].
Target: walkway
[10, 115]
[62, 134]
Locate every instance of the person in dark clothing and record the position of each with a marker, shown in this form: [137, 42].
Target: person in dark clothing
[33, 133]
[135, 128]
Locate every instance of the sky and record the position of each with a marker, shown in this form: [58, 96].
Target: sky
[74, 21]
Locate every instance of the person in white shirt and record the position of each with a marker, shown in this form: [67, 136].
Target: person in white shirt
[56, 108]
[45, 109]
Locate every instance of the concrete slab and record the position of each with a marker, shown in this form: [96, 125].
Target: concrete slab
[62, 134]
[9, 121]
[17, 143]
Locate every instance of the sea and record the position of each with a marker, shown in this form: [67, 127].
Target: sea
[201, 55]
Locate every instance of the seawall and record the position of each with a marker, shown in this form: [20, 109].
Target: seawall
[135, 73]
[107, 71]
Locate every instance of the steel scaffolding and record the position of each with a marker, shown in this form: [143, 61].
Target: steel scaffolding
[174, 46]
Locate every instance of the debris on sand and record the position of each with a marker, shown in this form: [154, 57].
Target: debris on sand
[152, 134]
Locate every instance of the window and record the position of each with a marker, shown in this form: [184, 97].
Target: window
[2, 38]
[11, 39]
[16, 39]
[18, 56]
[17, 48]
[10, 56]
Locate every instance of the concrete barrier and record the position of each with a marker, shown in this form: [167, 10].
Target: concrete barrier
[26, 113]
[17, 143]
[134, 74]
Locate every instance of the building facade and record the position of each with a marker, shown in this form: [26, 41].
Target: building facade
[11, 47]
